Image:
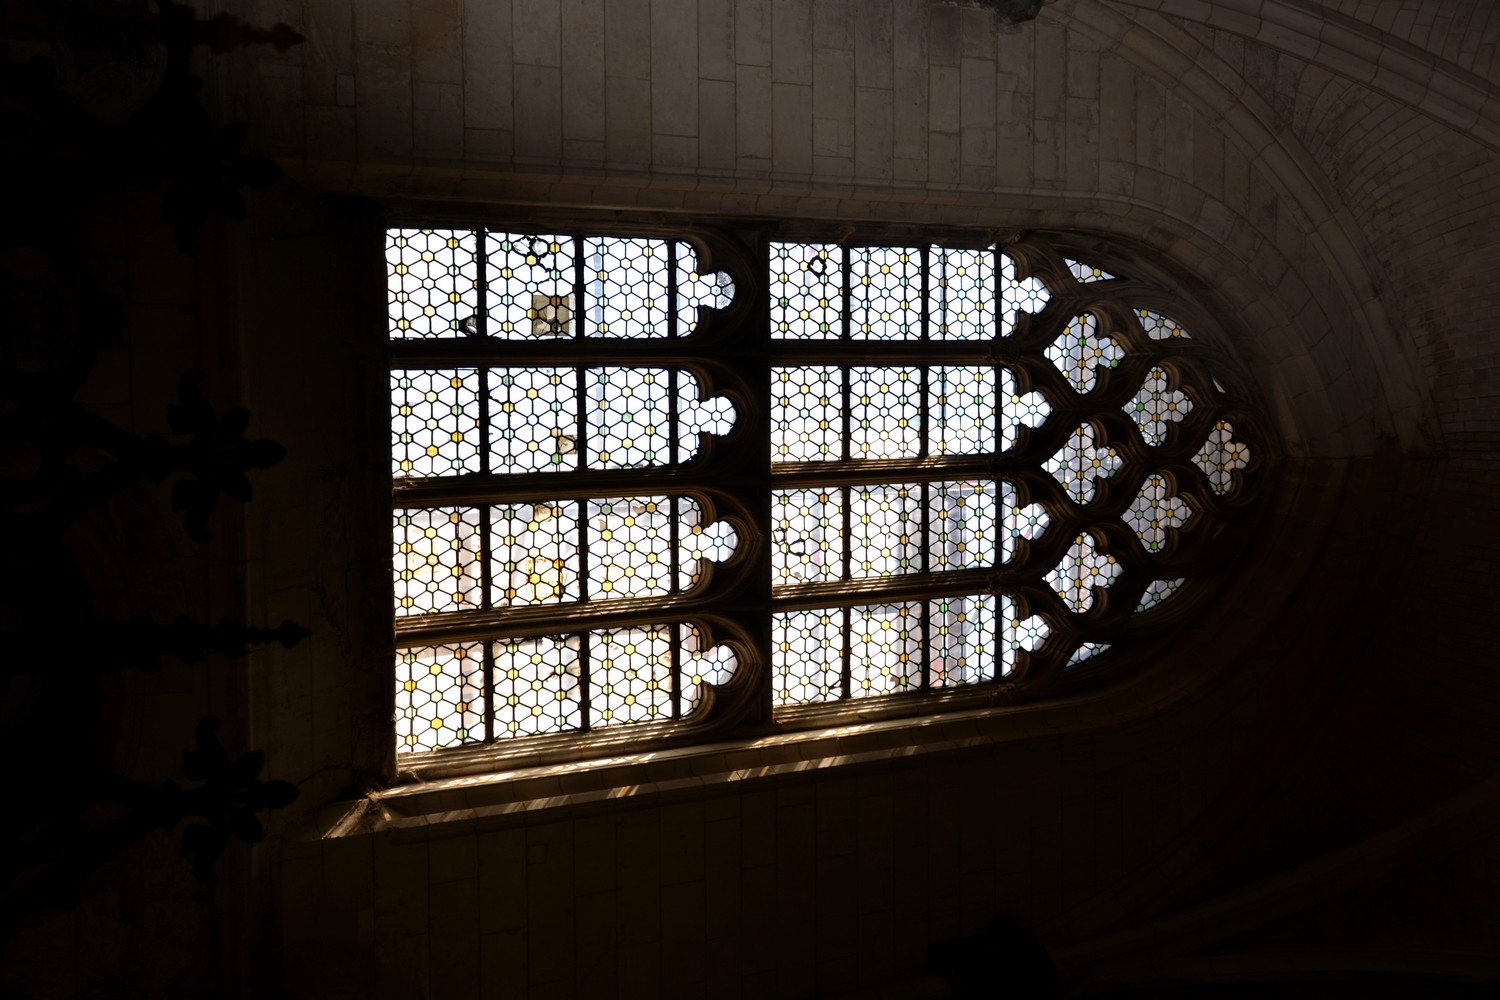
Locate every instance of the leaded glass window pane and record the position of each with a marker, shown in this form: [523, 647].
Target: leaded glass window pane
[432, 281]
[974, 464]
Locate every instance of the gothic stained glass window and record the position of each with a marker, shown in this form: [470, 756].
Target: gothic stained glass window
[648, 485]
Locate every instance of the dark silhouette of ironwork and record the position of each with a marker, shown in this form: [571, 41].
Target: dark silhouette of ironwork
[99, 100]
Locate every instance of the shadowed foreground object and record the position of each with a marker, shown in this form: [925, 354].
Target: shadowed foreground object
[1003, 961]
[1010, 11]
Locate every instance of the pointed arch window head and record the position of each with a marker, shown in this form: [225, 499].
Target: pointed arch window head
[666, 487]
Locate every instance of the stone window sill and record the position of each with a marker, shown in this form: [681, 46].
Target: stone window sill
[520, 795]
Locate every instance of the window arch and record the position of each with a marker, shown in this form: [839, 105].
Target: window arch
[661, 486]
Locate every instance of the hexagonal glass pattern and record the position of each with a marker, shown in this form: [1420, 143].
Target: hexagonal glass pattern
[807, 531]
[1081, 464]
[969, 639]
[885, 412]
[1083, 569]
[435, 422]
[1222, 456]
[807, 414]
[1087, 272]
[432, 282]
[703, 666]
[961, 636]
[629, 417]
[1018, 296]
[1154, 511]
[1159, 327]
[636, 547]
[1158, 591]
[632, 676]
[961, 409]
[537, 684]
[630, 546]
[885, 293]
[961, 528]
[631, 673]
[885, 530]
[533, 419]
[1022, 634]
[807, 291]
[699, 418]
[1157, 407]
[1081, 352]
[536, 282]
[887, 524]
[698, 289]
[807, 656]
[1087, 651]
[625, 287]
[885, 649]
[532, 291]
[700, 545]
[1019, 410]
[1026, 523]
[439, 697]
[964, 407]
[961, 294]
[535, 553]
[437, 560]
[839, 537]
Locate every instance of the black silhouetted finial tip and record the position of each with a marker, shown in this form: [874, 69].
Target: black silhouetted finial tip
[1009, 11]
